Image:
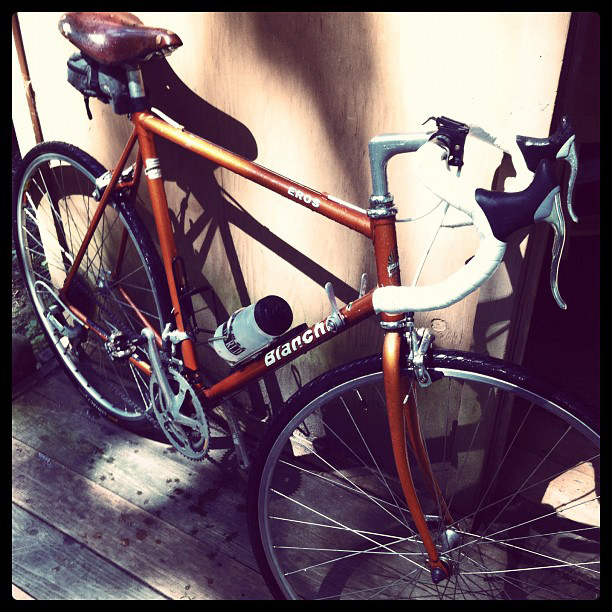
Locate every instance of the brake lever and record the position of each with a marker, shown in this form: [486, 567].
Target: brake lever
[551, 211]
[555, 218]
[559, 145]
[569, 154]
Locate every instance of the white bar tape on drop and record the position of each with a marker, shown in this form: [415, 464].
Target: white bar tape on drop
[435, 176]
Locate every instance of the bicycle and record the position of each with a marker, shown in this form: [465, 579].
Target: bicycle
[334, 510]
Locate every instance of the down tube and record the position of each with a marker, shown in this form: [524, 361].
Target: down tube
[299, 344]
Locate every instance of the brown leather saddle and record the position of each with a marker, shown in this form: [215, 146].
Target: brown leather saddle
[117, 38]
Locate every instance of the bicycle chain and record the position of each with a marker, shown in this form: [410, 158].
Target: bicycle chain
[82, 287]
[146, 411]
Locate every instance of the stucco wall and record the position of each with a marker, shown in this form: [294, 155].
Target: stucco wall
[302, 94]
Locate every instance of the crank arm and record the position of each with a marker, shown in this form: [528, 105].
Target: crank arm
[156, 366]
[237, 438]
[181, 419]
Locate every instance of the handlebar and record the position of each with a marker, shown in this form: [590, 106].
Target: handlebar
[495, 215]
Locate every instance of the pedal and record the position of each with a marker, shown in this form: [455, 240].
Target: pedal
[120, 346]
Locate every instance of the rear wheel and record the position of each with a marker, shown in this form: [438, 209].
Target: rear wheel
[119, 284]
[517, 463]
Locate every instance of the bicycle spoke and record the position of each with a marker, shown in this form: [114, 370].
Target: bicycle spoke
[345, 527]
[502, 544]
[379, 473]
[535, 484]
[55, 209]
[312, 524]
[336, 483]
[526, 480]
[354, 486]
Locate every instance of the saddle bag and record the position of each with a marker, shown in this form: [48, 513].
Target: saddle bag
[109, 84]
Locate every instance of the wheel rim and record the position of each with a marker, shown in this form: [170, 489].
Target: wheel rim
[540, 543]
[48, 238]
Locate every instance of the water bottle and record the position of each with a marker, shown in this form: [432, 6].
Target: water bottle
[252, 328]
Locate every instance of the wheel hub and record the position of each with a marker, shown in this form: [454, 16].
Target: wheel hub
[119, 346]
[448, 539]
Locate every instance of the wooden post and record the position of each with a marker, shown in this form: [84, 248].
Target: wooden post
[27, 83]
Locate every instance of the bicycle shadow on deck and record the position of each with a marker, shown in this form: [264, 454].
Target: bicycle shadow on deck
[218, 210]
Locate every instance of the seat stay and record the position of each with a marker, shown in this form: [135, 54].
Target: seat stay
[104, 200]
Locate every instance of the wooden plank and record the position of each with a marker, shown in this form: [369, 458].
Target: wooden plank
[195, 497]
[571, 489]
[18, 594]
[52, 565]
[169, 560]
[35, 379]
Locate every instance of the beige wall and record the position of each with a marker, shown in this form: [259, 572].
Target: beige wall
[302, 94]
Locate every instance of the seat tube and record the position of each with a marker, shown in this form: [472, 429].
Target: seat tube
[159, 203]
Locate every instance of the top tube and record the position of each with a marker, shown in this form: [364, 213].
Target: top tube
[349, 216]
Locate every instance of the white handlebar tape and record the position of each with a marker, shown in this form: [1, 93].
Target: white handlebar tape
[436, 177]
[506, 141]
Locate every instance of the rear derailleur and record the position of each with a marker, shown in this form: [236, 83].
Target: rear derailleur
[120, 346]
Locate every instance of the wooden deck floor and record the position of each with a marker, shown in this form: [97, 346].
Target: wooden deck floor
[100, 513]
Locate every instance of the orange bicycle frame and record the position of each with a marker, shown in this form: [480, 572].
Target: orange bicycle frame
[380, 230]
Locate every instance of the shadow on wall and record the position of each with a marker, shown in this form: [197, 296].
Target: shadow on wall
[333, 61]
[337, 69]
[330, 55]
[195, 176]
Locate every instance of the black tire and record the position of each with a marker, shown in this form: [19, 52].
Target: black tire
[293, 494]
[52, 202]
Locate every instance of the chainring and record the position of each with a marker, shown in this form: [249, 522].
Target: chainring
[184, 424]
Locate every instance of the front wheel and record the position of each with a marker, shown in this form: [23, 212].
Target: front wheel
[517, 464]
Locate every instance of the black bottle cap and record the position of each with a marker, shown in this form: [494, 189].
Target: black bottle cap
[273, 315]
